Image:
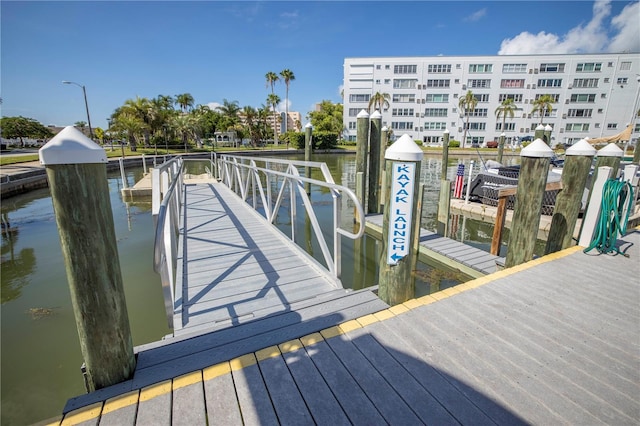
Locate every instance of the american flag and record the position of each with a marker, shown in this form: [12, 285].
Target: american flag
[457, 191]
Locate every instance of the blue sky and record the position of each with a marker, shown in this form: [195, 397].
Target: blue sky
[221, 50]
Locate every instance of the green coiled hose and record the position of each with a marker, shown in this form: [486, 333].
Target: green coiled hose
[614, 195]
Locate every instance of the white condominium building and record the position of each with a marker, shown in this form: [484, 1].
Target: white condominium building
[596, 95]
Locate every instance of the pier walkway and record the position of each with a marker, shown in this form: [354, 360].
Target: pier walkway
[552, 341]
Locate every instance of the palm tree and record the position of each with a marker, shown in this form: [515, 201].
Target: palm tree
[141, 107]
[272, 79]
[185, 100]
[287, 76]
[506, 108]
[250, 115]
[229, 111]
[543, 105]
[184, 125]
[379, 101]
[274, 100]
[467, 105]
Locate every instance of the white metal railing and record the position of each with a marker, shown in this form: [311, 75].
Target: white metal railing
[166, 202]
[248, 180]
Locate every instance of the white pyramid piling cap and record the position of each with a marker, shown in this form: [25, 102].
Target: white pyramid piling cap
[363, 114]
[308, 126]
[611, 150]
[538, 149]
[446, 131]
[582, 147]
[548, 128]
[385, 129]
[539, 127]
[376, 115]
[71, 146]
[404, 149]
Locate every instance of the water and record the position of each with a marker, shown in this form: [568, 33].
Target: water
[40, 351]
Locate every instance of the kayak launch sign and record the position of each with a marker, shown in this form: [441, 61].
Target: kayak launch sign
[400, 210]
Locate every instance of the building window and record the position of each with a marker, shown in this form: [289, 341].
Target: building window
[438, 83]
[435, 125]
[585, 82]
[508, 127]
[437, 97]
[481, 97]
[402, 112]
[352, 125]
[611, 126]
[358, 97]
[387, 80]
[435, 112]
[600, 110]
[551, 67]
[405, 69]
[579, 113]
[622, 80]
[625, 66]
[553, 113]
[550, 82]
[387, 67]
[378, 67]
[589, 67]
[577, 127]
[580, 98]
[402, 125]
[353, 112]
[403, 98]
[439, 68]
[404, 83]
[477, 112]
[553, 96]
[511, 84]
[475, 126]
[514, 68]
[478, 84]
[480, 68]
[636, 129]
[516, 97]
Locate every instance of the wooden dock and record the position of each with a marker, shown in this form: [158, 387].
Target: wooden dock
[471, 261]
[552, 341]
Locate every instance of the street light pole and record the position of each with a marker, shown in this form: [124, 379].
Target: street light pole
[86, 104]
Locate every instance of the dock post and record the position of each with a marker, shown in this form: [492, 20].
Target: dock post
[547, 134]
[501, 147]
[534, 169]
[373, 200]
[444, 202]
[592, 214]
[76, 170]
[398, 256]
[568, 202]
[609, 156]
[125, 184]
[636, 153]
[308, 149]
[384, 141]
[362, 145]
[539, 133]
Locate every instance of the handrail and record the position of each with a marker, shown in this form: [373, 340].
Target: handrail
[167, 201]
[243, 176]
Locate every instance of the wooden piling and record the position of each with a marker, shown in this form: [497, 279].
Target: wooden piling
[397, 257]
[575, 172]
[362, 145]
[384, 141]
[373, 200]
[444, 200]
[76, 169]
[609, 156]
[539, 132]
[534, 169]
[501, 147]
[547, 134]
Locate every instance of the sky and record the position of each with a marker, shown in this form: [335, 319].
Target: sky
[218, 50]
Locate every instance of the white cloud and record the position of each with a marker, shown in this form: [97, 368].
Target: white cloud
[476, 16]
[589, 38]
[213, 105]
[282, 104]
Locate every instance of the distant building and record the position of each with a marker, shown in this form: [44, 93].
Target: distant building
[596, 94]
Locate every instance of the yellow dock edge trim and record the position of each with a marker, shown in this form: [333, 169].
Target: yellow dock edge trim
[121, 401]
[290, 346]
[155, 390]
[82, 414]
[217, 370]
[187, 379]
[242, 362]
[266, 353]
[311, 339]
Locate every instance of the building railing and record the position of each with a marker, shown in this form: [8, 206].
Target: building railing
[265, 183]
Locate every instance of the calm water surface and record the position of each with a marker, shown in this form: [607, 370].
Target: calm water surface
[40, 351]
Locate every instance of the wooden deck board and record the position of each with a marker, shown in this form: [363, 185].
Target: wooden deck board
[220, 399]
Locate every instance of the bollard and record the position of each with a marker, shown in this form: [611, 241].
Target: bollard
[76, 170]
[501, 147]
[539, 133]
[444, 201]
[373, 201]
[547, 134]
[575, 172]
[362, 144]
[591, 216]
[534, 169]
[398, 256]
[308, 149]
[384, 141]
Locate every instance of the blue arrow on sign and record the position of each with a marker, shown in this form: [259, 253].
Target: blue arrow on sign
[396, 257]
